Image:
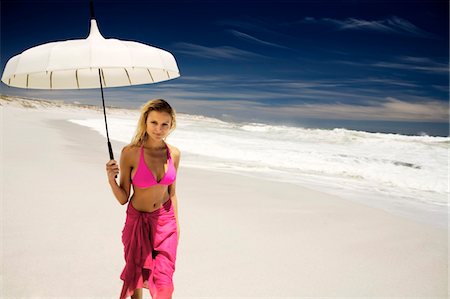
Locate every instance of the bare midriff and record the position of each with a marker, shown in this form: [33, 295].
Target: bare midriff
[149, 199]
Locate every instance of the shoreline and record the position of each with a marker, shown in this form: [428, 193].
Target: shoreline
[408, 205]
[241, 236]
[39, 102]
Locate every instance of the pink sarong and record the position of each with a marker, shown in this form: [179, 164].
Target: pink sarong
[150, 246]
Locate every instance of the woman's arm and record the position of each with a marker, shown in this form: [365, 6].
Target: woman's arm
[122, 192]
[175, 206]
[172, 188]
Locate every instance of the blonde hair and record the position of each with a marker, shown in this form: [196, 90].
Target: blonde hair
[159, 105]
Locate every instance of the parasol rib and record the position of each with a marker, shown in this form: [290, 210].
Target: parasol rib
[151, 77]
[76, 77]
[129, 80]
[104, 81]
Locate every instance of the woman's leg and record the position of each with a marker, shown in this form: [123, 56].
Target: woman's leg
[137, 294]
[165, 249]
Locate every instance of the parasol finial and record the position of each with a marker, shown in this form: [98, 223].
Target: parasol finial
[91, 3]
[94, 32]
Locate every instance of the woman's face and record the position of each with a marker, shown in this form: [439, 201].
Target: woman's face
[158, 124]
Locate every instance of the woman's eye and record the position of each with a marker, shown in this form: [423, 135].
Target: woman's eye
[165, 125]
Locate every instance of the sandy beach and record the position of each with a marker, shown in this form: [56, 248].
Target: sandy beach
[241, 237]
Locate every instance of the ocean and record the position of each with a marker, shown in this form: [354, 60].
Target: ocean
[402, 174]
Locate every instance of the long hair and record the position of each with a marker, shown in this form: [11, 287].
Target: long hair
[159, 105]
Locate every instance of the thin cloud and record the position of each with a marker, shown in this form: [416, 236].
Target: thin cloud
[382, 81]
[392, 109]
[443, 88]
[254, 25]
[393, 25]
[254, 39]
[356, 90]
[419, 60]
[207, 78]
[428, 69]
[240, 24]
[218, 53]
[422, 64]
[439, 68]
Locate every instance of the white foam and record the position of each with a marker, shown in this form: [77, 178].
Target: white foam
[396, 172]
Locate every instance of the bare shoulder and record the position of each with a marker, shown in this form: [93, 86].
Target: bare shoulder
[129, 150]
[174, 150]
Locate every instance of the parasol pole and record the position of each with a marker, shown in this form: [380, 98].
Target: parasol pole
[111, 155]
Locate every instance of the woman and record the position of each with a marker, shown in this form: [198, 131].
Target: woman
[151, 232]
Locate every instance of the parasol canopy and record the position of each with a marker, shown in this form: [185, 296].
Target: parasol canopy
[94, 62]
[74, 64]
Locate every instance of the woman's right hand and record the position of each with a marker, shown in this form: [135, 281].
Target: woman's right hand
[112, 170]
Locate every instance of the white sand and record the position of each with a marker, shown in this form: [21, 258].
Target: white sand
[240, 237]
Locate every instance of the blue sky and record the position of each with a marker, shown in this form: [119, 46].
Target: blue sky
[368, 65]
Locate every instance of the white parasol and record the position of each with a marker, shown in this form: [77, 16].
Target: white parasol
[94, 62]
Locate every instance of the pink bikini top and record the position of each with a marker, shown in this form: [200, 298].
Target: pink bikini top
[144, 178]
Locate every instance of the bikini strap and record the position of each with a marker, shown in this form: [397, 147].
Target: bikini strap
[142, 152]
[168, 151]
